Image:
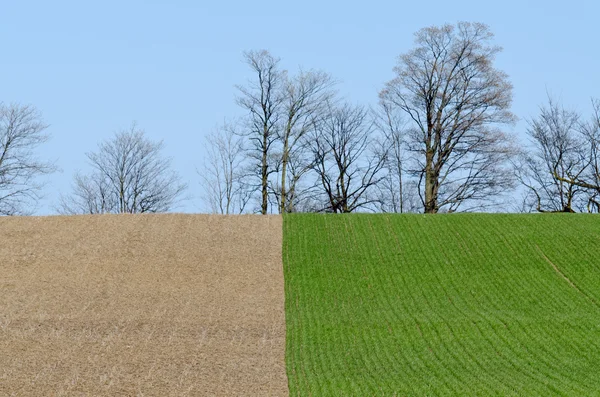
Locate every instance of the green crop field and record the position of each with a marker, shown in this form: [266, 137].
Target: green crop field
[461, 304]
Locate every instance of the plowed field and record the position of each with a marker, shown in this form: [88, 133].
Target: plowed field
[147, 305]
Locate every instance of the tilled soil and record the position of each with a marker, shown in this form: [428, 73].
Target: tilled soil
[142, 305]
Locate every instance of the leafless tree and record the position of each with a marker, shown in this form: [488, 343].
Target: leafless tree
[588, 179]
[224, 172]
[129, 176]
[591, 131]
[345, 158]
[397, 193]
[21, 132]
[302, 189]
[559, 156]
[305, 96]
[262, 99]
[455, 99]
[91, 195]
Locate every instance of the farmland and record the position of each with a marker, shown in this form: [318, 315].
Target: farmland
[468, 304]
[307, 304]
[147, 305]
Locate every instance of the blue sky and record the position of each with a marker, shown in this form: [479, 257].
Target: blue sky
[95, 67]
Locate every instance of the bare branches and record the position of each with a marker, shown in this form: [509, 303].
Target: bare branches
[91, 195]
[562, 172]
[262, 99]
[587, 177]
[224, 174]
[453, 97]
[21, 131]
[559, 155]
[305, 98]
[345, 159]
[281, 111]
[396, 192]
[129, 176]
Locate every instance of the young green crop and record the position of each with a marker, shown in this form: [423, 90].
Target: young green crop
[461, 304]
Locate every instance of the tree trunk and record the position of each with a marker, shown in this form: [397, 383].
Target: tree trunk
[264, 174]
[284, 162]
[401, 190]
[430, 185]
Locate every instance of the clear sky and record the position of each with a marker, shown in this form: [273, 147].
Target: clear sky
[95, 67]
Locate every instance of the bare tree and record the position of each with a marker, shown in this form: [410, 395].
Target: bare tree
[302, 190]
[21, 132]
[224, 172]
[397, 193]
[346, 161]
[129, 176]
[558, 157]
[588, 179]
[305, 96]
[262, 100]
[455, 98]
[91, 194]
[591, 131]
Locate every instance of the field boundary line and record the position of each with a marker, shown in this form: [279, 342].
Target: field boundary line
[567, 279]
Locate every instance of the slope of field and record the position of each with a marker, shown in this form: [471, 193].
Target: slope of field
[467, 304]
[146, 305]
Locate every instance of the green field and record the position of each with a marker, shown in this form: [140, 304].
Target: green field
[461, 304]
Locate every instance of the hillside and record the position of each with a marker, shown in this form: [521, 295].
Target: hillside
[151, 305]
[461, 304]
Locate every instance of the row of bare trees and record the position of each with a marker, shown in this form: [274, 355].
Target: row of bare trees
[300, 148]
[436, 142]
[129, 174]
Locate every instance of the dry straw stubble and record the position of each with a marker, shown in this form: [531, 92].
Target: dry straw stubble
[142, 305]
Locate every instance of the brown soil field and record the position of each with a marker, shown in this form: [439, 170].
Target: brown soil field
[142, 305]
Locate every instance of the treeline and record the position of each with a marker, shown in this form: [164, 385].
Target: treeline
[435, 142]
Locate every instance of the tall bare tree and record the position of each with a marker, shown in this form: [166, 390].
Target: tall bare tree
[129, 176]
[305, 96]
[262, 99]
[454, 97]
[21, 132]
[559, 156]
[224, 172]
[345, 158]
